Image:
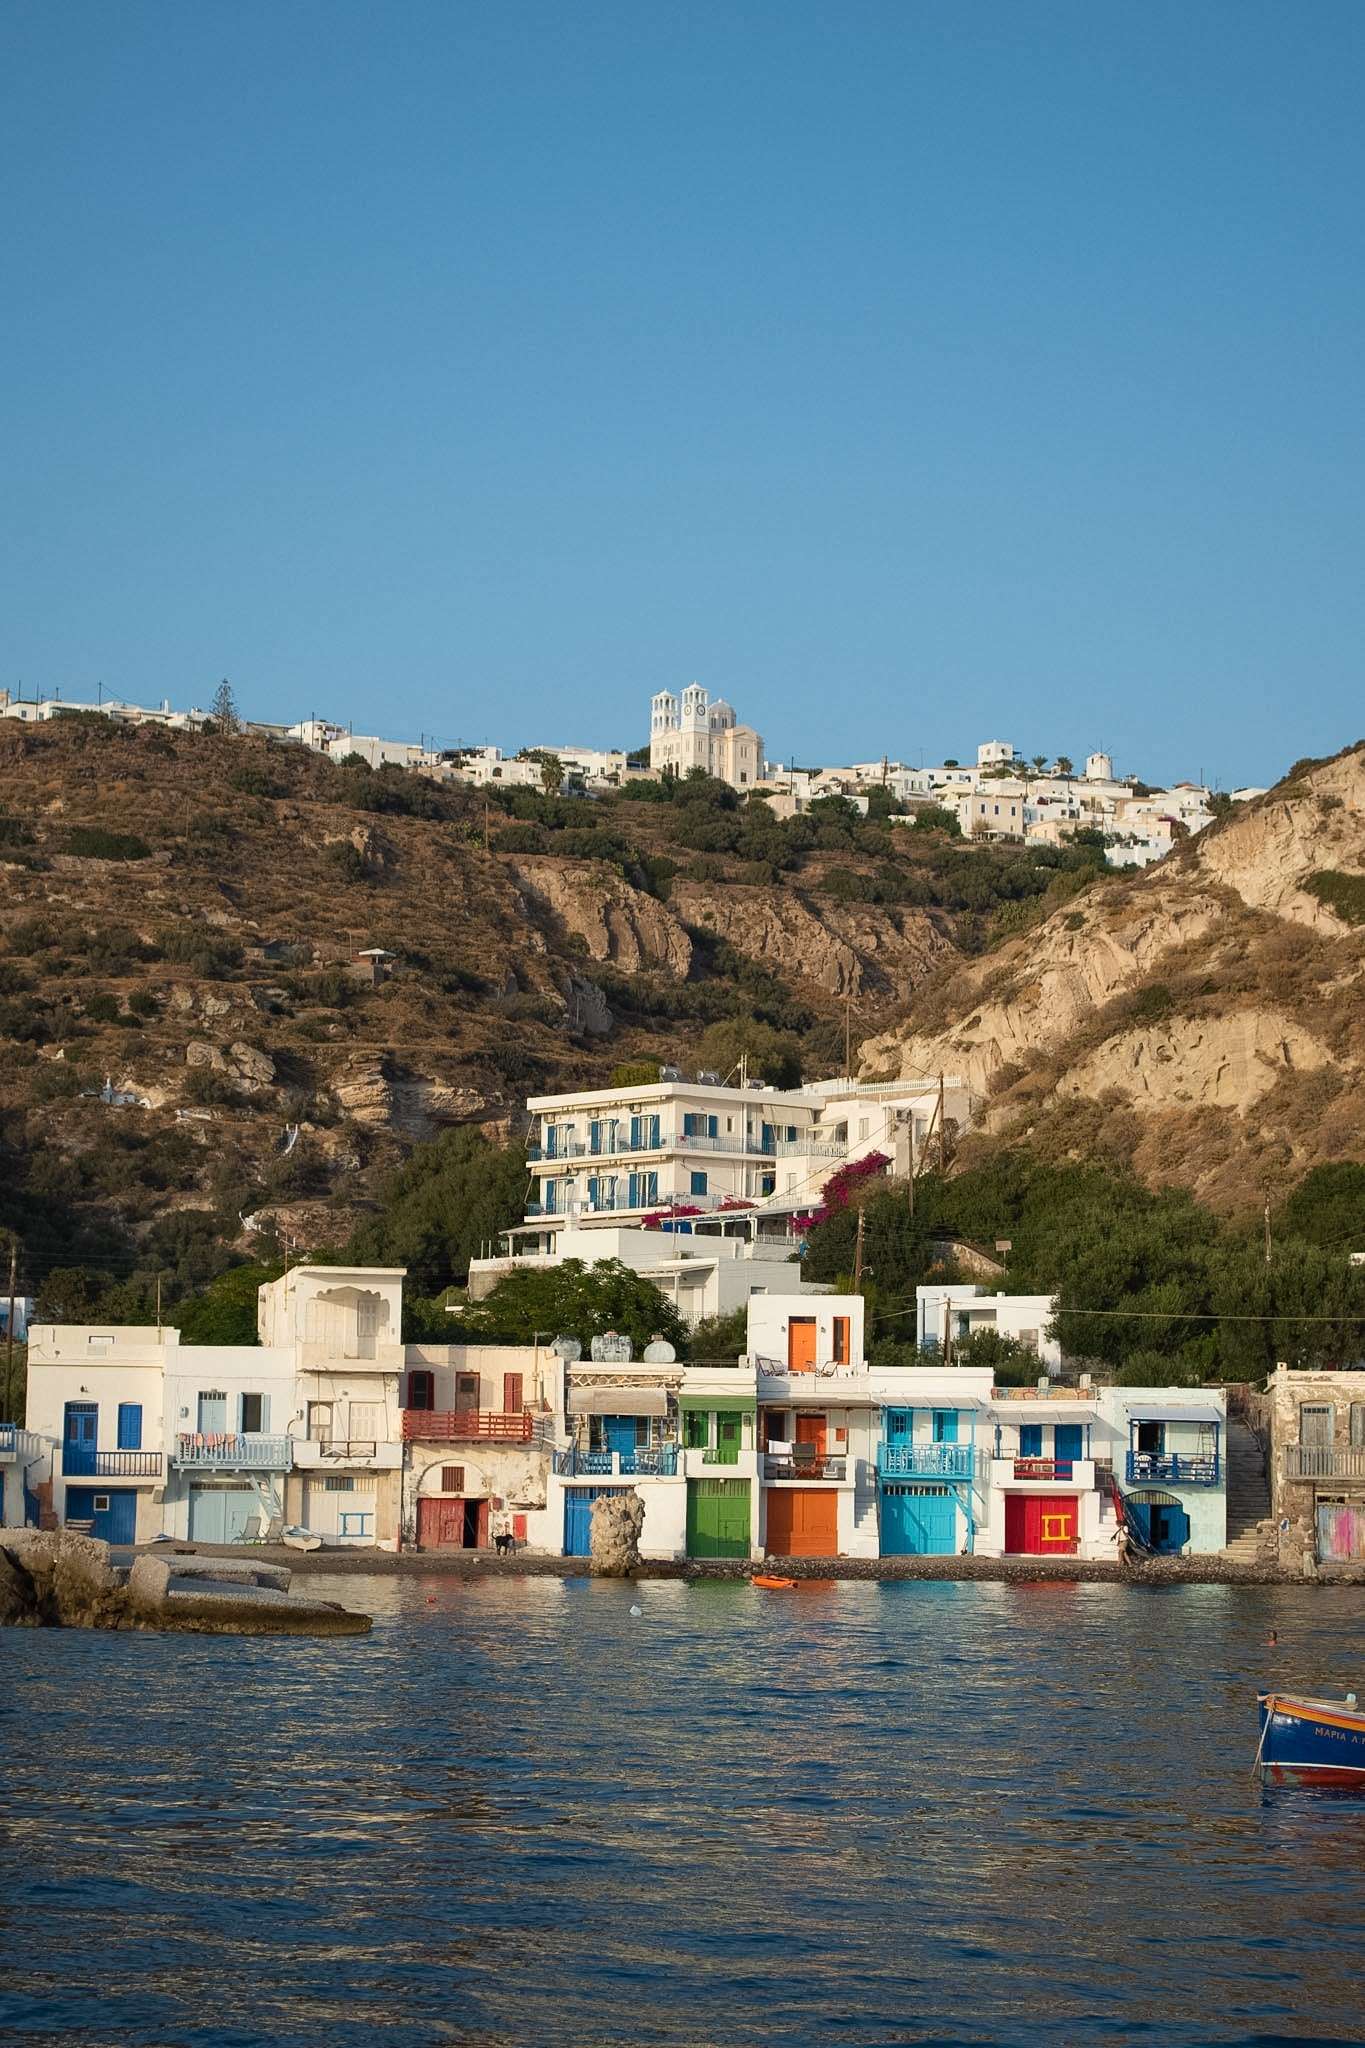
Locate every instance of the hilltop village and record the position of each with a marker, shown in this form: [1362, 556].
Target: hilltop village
[1001, 796]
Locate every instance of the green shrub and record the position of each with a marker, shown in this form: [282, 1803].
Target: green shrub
[102, 1008]
[142, 1003]
[1345, 894]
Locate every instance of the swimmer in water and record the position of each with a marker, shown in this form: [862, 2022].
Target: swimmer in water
[1272, 1641]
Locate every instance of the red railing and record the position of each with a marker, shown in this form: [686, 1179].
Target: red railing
[465, 1426]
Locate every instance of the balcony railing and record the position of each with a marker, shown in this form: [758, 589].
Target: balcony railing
[18, 1442]
[466, 1426]
[1313, 1461]
[656, 1461]
[926, 1461]
[1045, 1468]
[246, 1453]
[79, 1461]
[1173, 1468]
[804, 1468]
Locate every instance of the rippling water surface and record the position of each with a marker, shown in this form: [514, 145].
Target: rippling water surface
[516, 1813]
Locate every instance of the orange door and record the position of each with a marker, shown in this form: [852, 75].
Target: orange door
[802, 1523]
[810, 1429]
[511, 1393]
[801, 1344]
[841, 1324]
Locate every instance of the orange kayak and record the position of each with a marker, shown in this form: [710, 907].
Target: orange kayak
[777, 1585]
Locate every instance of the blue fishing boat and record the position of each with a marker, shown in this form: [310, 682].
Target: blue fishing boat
[1311, 1742]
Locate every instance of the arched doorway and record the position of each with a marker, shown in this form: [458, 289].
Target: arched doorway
[1158, 1521]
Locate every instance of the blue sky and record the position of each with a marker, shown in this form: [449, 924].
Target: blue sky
[910, 374]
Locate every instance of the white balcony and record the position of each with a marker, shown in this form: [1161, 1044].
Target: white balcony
[1043, 1475]
[347, 1454]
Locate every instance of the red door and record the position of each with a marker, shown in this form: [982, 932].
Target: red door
[440, 1523]
[511, 1393]
[801, 1344]
[1041, 1525]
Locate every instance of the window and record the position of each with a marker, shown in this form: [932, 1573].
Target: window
[366, 1421]
[255, 1414]
[332, 1485]
[697, 1184]
[130, 1425]
[1358, 1425]
[319, 1422]
[695, 1430]
[1151, 1439]
[452, 1478]
[99, 1346]
[1316, 1426]
[841, 1324]
[101, 1503]
[466, 1392]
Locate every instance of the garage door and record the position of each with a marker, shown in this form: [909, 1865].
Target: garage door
[1041, 1525]
[112, 1512]
[219, 1514]
[802, 1522]
[718, 1517]
[918, 1521]
[1341, 1531]
[340, 1509]
[578, 1502]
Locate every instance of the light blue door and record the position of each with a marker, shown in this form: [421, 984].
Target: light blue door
[112, 1514]
[1068, 1444]
[212, 1414]
[578, 1502]
[219, 1514]
[918, 1521]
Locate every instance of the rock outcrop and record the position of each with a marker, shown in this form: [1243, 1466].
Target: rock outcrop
[57, 1579]
[614, 1534]
[842, 948]
[615, 922]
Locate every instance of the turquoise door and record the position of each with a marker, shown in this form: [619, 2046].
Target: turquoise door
[918, 1521]
[618, 1432]
[898, 1422]
[113, 1515]
[578, 1502]
[945, 1425]
[1068, 1445]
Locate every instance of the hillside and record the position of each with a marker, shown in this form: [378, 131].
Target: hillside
[179, 922]
[1203, 1021]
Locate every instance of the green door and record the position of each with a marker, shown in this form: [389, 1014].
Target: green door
[718, 1518]
[727, 1440]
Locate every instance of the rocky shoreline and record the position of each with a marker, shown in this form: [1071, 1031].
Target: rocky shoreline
[57, 1579]
[464, 1564]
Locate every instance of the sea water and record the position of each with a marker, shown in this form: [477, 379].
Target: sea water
[519, 1812]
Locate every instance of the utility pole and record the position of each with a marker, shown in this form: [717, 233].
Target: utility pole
[9, 1326]
[858, 1257]
[942, 1130]
[848, 1030]
[158, 1308]
[485, 821]
[1267, 1228]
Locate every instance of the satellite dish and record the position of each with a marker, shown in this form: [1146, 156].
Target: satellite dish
[660, 1352]
[567, 1348]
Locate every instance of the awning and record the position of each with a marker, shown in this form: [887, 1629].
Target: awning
[717, 1404]
[1198, 1411]
[618, 1401]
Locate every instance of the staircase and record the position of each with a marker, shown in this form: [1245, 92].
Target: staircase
[1248, 1494]
[866, 1525]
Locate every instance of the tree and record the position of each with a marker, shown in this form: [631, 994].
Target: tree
[1040, 762]
[1065, 765]
[720, 1338]
[772, 1056]
[225, 1313]
[451, 1197]
[224, 709]
[1327, 1208]
[633, 1074]
[574, 1300]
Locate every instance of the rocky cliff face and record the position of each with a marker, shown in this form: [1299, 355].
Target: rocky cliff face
[1204, 1020]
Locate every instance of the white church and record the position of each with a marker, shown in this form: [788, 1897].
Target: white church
[692, 732]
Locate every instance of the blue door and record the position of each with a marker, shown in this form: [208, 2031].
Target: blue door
[618, 1432]
[945, 1425]
[578, 1502]
[130, 1425]
[1068, 1445]
[113, 1514]
[898, 1422]
[78, 1438]
[1030, 1439]
[918, 1521]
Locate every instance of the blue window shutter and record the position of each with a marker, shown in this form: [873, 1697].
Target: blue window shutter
[945, 1425]
[593, 1185]
[130, 1425]
[635, 1130]
[651, 1187]
[699, 1184]
[633, 1192]
[654, 1130]
[1030, 1439]
[712, 1126]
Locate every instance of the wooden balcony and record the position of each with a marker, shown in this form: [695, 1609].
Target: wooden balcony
[786, 1467]
[465, 1426]
[1326, 1461]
